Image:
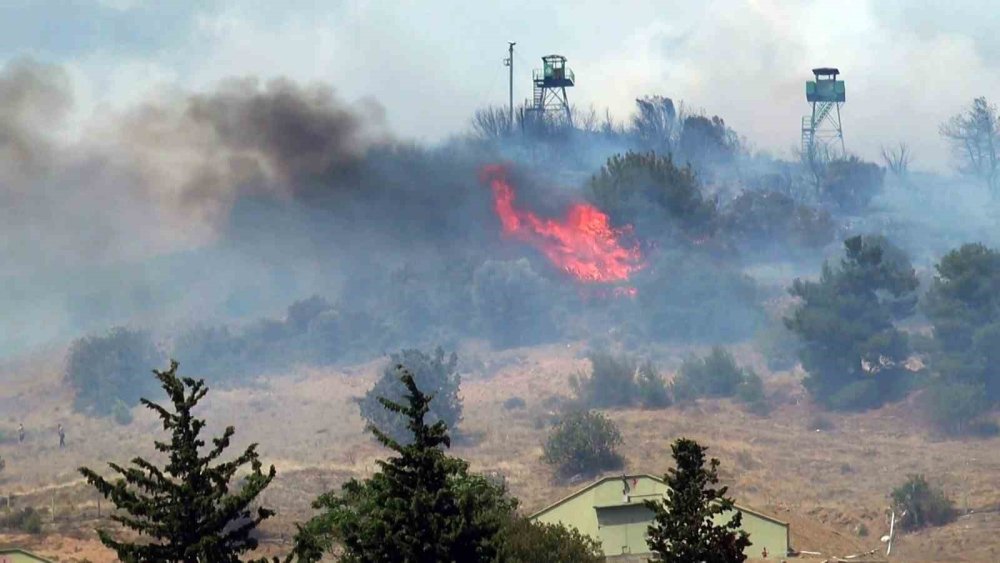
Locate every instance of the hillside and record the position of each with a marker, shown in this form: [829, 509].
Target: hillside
[828, 484]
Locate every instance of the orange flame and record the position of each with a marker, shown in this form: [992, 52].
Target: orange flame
[584, 244]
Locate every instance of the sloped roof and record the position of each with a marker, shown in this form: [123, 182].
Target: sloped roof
[13, 550]
[607, 478]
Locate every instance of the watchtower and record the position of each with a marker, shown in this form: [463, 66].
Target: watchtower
[550, 83]
[822, 133]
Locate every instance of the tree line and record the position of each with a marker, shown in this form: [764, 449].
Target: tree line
[422, 505]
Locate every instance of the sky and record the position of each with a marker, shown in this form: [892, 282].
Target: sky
[427, 65]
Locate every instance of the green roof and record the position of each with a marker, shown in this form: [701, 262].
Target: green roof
[19, 551]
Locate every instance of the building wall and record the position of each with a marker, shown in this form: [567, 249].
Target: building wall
[619, 523]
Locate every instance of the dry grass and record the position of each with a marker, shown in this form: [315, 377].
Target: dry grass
[824, 483]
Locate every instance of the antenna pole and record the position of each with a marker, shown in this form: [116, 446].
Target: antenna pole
[509, 62]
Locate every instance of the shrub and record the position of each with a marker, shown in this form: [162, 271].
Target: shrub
[514, 403]
[618, 381]
[611, 382]
[584, 442]
[715, 375]
[955, 408]
[525, 541]
[918, 504]
[750, 392]
[114, 367]
[850, 183]
[764, 221]
[121, 413]
[435, 374]
[708, 140]
[27, 520]
[651, 387]
[513, 303]
[649, 192]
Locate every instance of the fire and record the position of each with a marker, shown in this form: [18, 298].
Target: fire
[583, 244]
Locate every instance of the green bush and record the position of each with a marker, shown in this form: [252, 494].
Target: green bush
[751, 393]
[619, 381]
[115, 367]
[435, 374]
[27, 520]
[525, 541]
[715, 375]
[584, 442]
[955, 408]
[918, 504]
[651, 193]
[850, 183]
[652, 388]
[513, 303]
[765, 223]
[514, 403]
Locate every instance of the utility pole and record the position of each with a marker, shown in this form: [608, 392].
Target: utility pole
[509, 62]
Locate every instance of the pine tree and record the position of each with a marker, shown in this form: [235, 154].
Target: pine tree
[421, 507]
[684, 529]
[187, 511]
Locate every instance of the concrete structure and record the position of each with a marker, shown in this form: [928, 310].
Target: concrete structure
[15, 555]
[612, 512]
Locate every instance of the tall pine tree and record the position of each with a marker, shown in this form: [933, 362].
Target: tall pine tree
[187, 511]
[421, 507]
[684, 529]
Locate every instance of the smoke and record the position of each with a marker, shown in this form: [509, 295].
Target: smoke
[87, 224]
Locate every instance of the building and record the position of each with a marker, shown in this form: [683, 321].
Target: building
[612, 512]
[15, 555]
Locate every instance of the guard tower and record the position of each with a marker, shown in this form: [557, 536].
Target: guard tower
[822, 134]
[551, 81]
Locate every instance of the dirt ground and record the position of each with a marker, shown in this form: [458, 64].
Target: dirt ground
[831, 485]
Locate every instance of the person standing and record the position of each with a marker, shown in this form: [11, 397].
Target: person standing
[20, 433]
[62, 437]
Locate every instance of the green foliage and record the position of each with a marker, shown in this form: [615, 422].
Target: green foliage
[751, 393]
[651, 193]
[187, 510]
[850, 183]
[421, 505]
[105, 369]
[918, 504]
[851, 349]
[436, 374]
[963, 305]
[708, 140]
[715, 375]
[619, 381]
[513, 303]
[26, 520]
[651, 387]
[531, 542]
[684, 528]
[121, 413]
[583, 442]
[955, 408]
[514, 403]
[767, 222]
